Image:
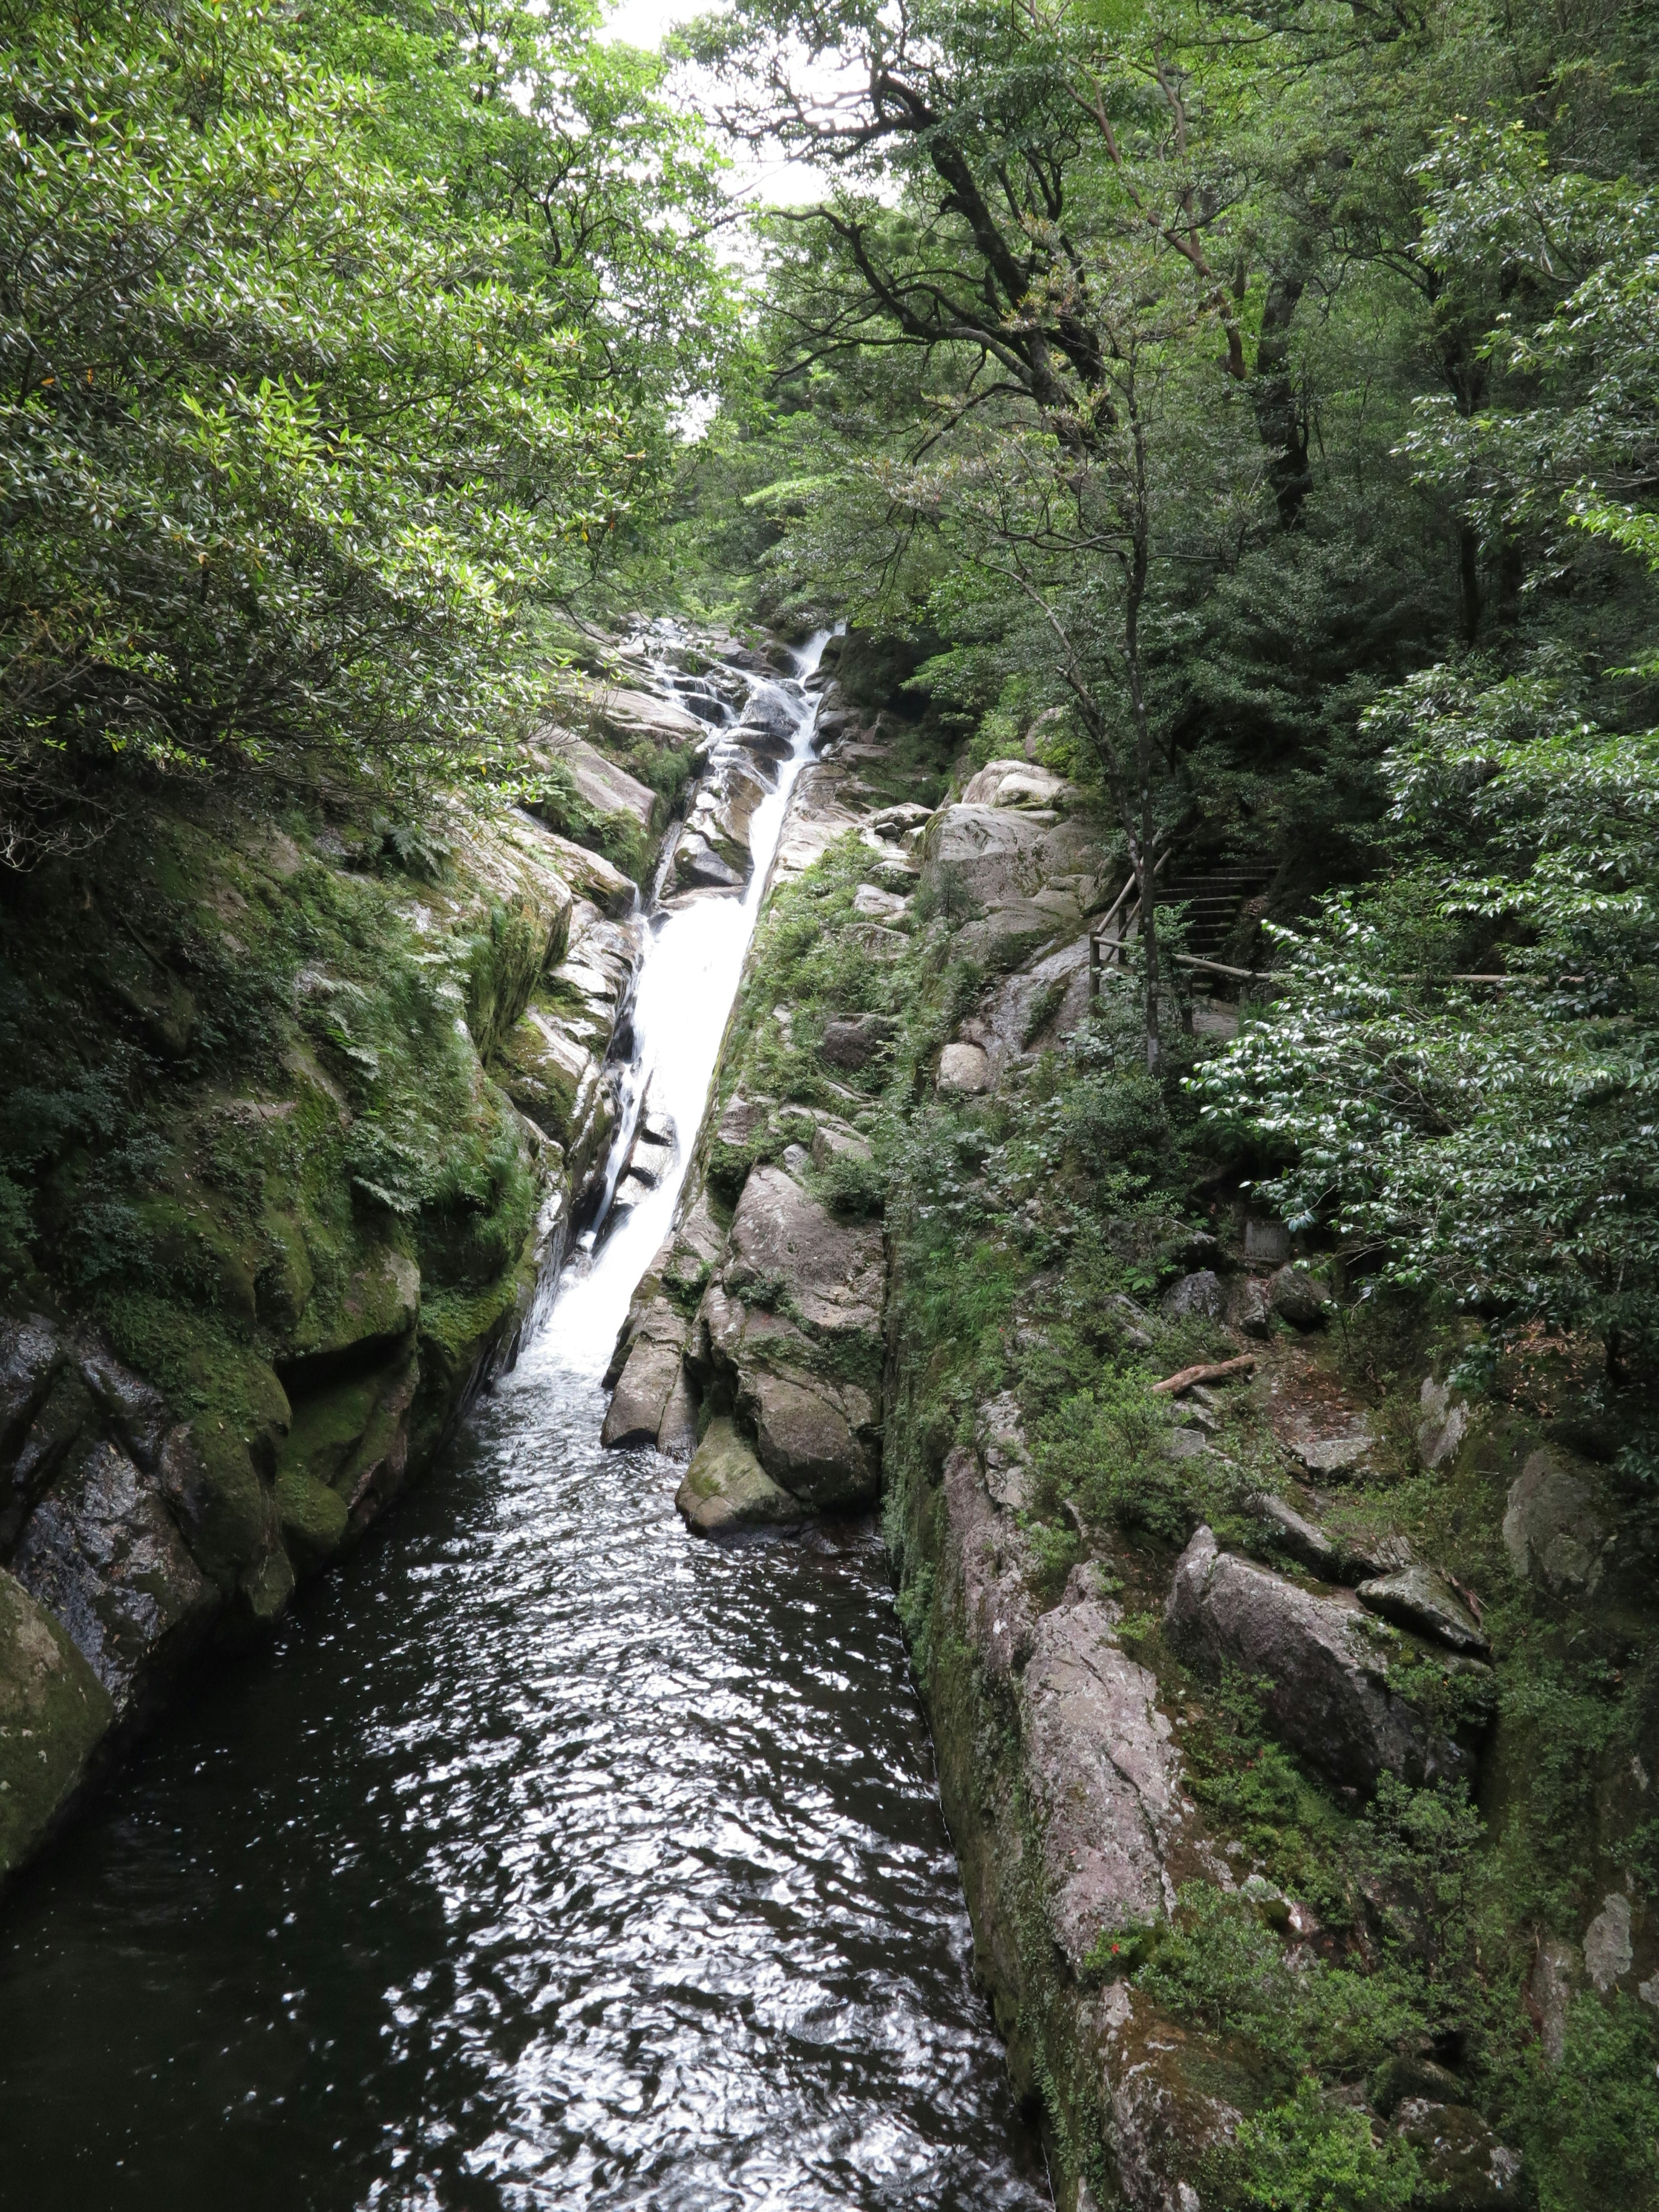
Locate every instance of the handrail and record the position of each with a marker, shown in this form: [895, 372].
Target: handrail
[1097, 935]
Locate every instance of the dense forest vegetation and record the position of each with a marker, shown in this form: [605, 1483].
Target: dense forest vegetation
[1248, 413]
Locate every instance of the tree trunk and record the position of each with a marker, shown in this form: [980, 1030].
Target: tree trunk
[1146, 881]
[1280, 421]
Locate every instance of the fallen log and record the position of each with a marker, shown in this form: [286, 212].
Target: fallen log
[1213, 1371]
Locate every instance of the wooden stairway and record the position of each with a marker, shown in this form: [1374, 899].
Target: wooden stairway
[1213, 898]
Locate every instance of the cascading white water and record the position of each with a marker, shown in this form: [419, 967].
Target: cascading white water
[553, 1860]
[688, 980]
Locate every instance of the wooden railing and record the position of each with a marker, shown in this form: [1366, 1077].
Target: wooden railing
[1103, 936]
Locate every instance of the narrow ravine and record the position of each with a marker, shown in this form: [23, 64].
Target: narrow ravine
[551, 1857]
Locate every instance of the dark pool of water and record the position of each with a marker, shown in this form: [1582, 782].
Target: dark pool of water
[550, 1859]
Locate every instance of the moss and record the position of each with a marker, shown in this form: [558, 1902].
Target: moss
[200, 1368]
[54, 1712]
[313, 1518]
[326, 1429]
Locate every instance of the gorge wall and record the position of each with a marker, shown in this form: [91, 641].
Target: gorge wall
[300, 1110]
[1294, 1718]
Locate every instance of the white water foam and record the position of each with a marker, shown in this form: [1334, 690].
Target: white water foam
[688, 979]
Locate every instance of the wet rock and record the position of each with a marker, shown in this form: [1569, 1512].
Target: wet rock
[30, 1354]
[1444, 1424]
[1105, 1776]
[1552, 1530]
[1298, 1298]
[676, 1437]
[965, 1071]
[1248, 1308]
[134, 1408]
[649, 1379]
[698, 866]
[1325, 1680]
[1199, 1292]
[725, 1487]
[54, 1712]
[102, 1553]
[52, 1426]
[1464, 2167]
[1421, 1599]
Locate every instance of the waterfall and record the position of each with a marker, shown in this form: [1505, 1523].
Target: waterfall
[688, 979]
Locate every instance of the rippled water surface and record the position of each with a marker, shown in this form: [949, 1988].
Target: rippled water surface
[552, 1859]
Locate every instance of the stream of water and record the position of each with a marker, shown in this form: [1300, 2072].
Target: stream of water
[551, 1858]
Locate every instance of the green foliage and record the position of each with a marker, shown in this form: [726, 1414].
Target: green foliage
[1312, 2155]
[301, 430]
[1591, 2125]
[1491, 1142]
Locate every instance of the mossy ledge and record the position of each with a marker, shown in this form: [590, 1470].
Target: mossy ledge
[294, 1114]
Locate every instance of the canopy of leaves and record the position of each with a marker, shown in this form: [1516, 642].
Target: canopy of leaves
[324, 370]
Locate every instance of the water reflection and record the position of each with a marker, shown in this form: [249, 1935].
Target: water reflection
[552, 1860]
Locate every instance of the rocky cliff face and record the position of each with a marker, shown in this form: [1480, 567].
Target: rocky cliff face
[295, 1115]
[1291, 1828]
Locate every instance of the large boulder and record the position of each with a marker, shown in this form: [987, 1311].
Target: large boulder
[727, 1488]
[1027, 875]
[600, 783]
[1462, 2166]
[832, 1273]
[817, 1434]
[1422, 1599]
[1553, 1530]
[965, 1070]
[1016, 783]
[103, 1553]
[1322, 1666]
[649, 1378]
[54, 1712]
[1118, 1830]
[1172, 2096]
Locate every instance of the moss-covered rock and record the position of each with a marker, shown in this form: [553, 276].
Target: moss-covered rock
[727, 1488]
[313, 1519]
[54, 1713]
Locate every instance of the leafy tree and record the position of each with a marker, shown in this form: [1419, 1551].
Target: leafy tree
[299, 432]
